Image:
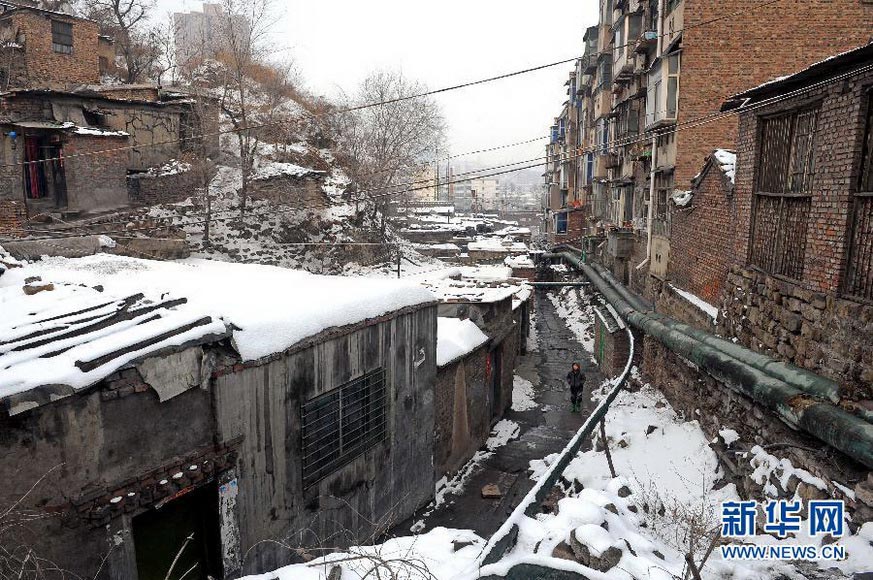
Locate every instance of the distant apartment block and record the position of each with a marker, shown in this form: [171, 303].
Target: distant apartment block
[205, 34]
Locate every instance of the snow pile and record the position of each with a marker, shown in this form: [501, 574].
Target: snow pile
[522, 394]
[440, 554]
[700, 303]
[273, 169]
[506, 244]
[270, 309]
[681, 198]
[533, 334]
[578, 314]
[522, 261]
[457, 338]
[172, 167]
[727, 161]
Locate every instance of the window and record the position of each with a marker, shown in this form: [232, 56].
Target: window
[859, 269]
[672, 85]
[782, 201]
[672, 4]
[340, 425]
[62, 37]
[561, 223]
[602, 137]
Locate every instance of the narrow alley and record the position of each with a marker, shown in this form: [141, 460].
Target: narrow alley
[542, 430]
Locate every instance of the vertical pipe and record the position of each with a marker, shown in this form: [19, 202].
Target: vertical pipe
[651, 198]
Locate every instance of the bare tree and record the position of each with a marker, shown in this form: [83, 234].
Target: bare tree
[125, 22]
[242, 35]
[385, 145]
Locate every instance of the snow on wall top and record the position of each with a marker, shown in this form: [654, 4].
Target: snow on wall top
[457, 338]
[265, 309]
[727, 161]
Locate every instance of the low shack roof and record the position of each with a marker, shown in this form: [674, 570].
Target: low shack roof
[79, 320]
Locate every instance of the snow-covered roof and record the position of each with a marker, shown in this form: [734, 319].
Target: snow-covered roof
[71, 127]
[497, 245]
[725, 160]
[522, 261]
[97, 314]
[457, 338]
[483, 284]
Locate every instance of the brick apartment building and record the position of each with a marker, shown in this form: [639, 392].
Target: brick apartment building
[649, 68]
[801, 286]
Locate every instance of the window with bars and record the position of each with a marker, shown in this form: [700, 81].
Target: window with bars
[62, 37]
[340, 425]
[783, 198]
[859, 268]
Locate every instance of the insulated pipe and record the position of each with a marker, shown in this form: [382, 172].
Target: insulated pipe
[802, 379]
[830, 424]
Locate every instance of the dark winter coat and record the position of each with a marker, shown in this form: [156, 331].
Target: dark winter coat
[576, 380]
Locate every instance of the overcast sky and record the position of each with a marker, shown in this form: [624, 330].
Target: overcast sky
[335, 43]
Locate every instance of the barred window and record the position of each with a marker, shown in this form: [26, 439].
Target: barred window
[341, 424]
[62, 37]
[859, 269]
[783, 199]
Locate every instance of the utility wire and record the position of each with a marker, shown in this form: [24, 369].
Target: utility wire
[390, 101]
[579, 152]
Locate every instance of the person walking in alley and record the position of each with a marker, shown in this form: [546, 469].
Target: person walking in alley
[576, 380]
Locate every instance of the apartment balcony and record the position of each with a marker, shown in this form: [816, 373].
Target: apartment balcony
[646, 41]
[612, 161]
[602, 104]
[589, 63]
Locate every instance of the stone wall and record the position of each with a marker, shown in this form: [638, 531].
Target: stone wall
[305, 190]
[695, 395]
[462, 416]
[151, 189]
[816, 331]
[610, 349]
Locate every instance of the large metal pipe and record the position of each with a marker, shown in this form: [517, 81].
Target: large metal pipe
[798, 409]
[802, 379]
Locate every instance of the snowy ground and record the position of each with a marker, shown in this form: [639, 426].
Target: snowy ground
[575, 309]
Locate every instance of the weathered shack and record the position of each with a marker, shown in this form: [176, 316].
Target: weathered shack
[74, 152]
[147, 402]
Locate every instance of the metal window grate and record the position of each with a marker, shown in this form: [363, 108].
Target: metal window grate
[341, 424]
[779, 235]
[859, 269]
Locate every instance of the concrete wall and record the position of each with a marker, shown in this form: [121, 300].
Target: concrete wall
[462, 410]
[384, 485]
[90, 448]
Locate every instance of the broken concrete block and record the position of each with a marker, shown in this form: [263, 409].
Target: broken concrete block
[30, 290]
[491, 491]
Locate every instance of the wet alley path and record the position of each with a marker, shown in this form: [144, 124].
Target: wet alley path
[544, 430]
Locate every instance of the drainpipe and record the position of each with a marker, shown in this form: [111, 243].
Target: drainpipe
[798, 409]
[651, 194]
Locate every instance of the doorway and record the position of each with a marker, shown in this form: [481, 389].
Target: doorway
[185, 530]
[44, 176]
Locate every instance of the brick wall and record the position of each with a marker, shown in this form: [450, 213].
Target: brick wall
[806, 321]
[45, 67]
[610, 350]
[702, 237]
[726, 57]
[13, 215]
[96, 182]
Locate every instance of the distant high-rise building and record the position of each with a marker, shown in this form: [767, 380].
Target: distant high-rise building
[205, 34]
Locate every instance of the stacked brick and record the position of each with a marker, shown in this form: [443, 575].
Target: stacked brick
[13, 216]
